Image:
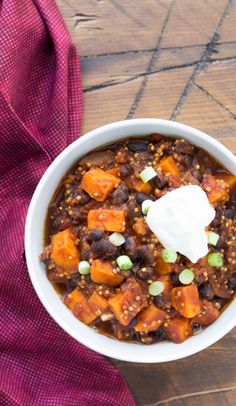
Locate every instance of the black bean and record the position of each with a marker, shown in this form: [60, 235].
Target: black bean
[85, 198]
[196, 328]
[160, 302]
[199, 279]
[175, 279]
[121, 194]
[137, 146]
[221, 244]
[125, 170]
[72, 283]
[229, 213]
[183, 147]
[160, 180]
[197, 174]
[129, 245]
[156, 137]
[96, 235]
[143, 255]
[144, 275]
[84, 255]
[140, 197]
[232, 282]
[131, 206]
[103, 248]
[206, 292]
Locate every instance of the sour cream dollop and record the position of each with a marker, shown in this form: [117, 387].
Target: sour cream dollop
[179, 219]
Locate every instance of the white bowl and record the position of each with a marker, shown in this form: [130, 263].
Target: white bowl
[159, 352]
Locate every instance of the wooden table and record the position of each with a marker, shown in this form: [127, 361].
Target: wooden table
[174, 60]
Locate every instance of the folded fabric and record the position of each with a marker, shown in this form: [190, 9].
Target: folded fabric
[40, 113]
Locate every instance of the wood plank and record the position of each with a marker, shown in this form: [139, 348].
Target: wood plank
[98, 23]
[193, 22]
[109, 104]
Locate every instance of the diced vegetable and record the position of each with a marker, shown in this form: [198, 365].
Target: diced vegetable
[117, 239]
[215, 259]
[138, 185]
[140, 227]
[64, 252]
[102, 272]
[147, 174]
[126, 305]
[107, 220]
[146, 204]
[98, 303]
[98, 183]
[185, 300]
[227, 178]
[80, 307]
[156, 288]
[150, 319]
[124, 262]
[209, 313]
[163, 267]
[169, 256]
[213, 238]
[84, 267]
[177, 329]
[114, 171]
[186, 276]
[216, 189]
[169, 167]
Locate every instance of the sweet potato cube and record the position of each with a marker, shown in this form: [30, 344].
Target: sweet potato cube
[178, 329]
[106, 220]
[98, 183]
[138, 184]
[163, 267]
[64, 252]
[126, 305]
[209, 313]
[114, 171]
[227, 178]
[185, 300]
[169, 167]
[216, 189]
[102, 272]
[140, 227]
[150, 319]
[98, 303]
[79, 306]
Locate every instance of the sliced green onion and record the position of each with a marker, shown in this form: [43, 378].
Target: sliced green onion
[215, 259]
[146, 206]
[124, 262]
[186, 276]
[147, 174]
[213, 238]
[168, 255]
[156, 288]
[84, 267]
[117, 239]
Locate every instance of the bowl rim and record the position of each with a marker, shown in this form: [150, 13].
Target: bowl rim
[182, 352]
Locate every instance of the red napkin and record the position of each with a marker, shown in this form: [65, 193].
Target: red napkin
[40, 113]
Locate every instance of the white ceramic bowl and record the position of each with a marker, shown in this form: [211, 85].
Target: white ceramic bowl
[159, 352]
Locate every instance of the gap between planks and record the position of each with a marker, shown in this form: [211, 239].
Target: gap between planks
[191, 395]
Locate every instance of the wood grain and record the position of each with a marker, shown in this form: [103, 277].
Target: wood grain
[168, 59]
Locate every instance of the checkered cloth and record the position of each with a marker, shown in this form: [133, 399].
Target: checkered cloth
[40, 113]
